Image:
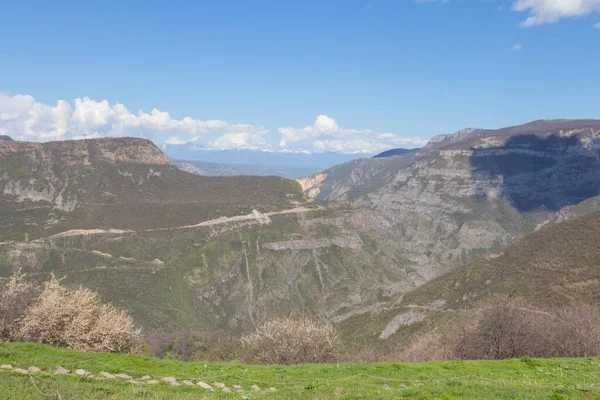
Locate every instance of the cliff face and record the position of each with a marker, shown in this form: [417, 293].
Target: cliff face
[473, 192]
[85, 152]
[117, 183]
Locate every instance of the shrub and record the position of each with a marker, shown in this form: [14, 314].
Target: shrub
[15, 296]
[505, 327]
[76, 319]
[292, 340]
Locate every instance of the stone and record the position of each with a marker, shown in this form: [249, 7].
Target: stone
[152, 382]
[34, 370]
[134, 382]
[226, 389]
[271, 389]
[81, 372]
[146, 377]
[175, 384]
[236, 386]
[58, 370]
[169, 379]
[256, 388]
[204, 385]
[107, 375]
[6, 366]
[20, 371]
[219, 385]
[123, 376]
[188, 383]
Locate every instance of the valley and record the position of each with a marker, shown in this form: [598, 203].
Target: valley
[356, 244]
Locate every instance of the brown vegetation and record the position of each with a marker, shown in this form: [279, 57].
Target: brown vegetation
[15, 296]
[506, 327]
[293, 340]
[63, 317]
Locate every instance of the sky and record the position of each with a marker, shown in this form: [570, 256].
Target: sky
[312, 76]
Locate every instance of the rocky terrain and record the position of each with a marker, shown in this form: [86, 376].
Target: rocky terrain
[186, 252]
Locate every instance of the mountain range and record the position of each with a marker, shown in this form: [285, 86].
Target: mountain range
[359, 243]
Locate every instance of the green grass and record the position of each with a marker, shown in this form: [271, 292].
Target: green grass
[510, 379]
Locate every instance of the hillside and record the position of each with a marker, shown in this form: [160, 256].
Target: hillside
[551, 267]
[186, 252]
[119, 183]
[524, 379]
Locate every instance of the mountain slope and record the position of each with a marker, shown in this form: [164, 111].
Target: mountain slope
[551, 267]
[123, 183]
[164, 249]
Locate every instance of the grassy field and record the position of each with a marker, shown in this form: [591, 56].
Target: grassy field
[510, 379]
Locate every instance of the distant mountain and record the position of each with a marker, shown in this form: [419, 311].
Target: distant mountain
[314, 161]
[394, 152]
[4, 138]
[221, 169]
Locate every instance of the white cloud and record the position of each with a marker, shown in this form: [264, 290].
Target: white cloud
[326, 135]
[518, 47]
[24, 118]
[551, 11]
[597, 26]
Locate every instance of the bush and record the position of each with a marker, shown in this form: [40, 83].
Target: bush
[505, 327]
[15, 296]
[76, 319]
[292, 340]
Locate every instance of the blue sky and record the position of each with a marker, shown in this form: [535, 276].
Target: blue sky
[297, 75]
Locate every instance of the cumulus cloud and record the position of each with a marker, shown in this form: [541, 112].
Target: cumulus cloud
[326, 135]
[518, 47]
[597, 26]
[24, 118]
[551, 11]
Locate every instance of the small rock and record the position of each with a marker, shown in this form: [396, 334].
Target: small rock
[107, 375]
[81, 372]
[135, 382]
[403, 386]
[236, 386]
[226, 389]
[169, 379]
[204, 385]
[175, 384]
[188, 383]
[146, 377]
[34, 370]
[219, 385]
[20, 371]
[123, 376]
[271, 389]
[256, 388]
[152, 382]
[60, 370]
[6, 366]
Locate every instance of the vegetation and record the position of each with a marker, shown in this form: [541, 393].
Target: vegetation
[295, 339]
[63, 317]
[504, 327]
[520, 378]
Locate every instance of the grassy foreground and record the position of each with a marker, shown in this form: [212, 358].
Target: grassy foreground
[510, 379]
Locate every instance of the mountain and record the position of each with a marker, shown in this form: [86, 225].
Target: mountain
[121, 183]
[551, 267]
[188, 252]
[393, 152]
[280, 159]
[221, 169]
